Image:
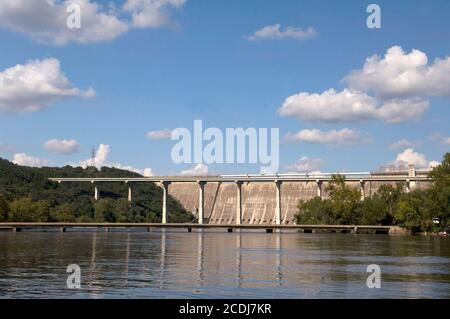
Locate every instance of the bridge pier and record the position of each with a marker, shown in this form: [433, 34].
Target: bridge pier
[95, 192]
[239, 202]
[129, 192]
[278, 203]
[361, 188]
[165, 193]
[319, 188]
[201, 200]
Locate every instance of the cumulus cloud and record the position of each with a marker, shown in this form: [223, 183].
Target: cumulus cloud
[159, 135]
[402, 144]
[101, 160]
[344, 136]
[197, 170]
[99, 22]
[275, 31]
[399, 74]
[394, 88]
[307, 165]
[349, 106]
[64, 147]
[410, 156]
[35, 86]
[27, 160]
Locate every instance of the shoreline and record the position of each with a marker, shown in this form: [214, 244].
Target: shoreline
[268, 228]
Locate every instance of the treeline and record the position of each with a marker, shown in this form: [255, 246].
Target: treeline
[391, 205]
[26, 195]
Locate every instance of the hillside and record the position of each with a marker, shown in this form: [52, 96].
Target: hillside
[26, 194]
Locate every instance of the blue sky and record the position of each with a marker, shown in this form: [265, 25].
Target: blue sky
[200, 64]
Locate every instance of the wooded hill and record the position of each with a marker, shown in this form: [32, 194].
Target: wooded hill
[26, 194]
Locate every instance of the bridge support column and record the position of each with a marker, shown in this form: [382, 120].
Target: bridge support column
[278, 203]
[96, 192]
[319, 188]
[165, 193]
[239, 203]
[129, 193]
[201, 200]
[408, 186]
[361, 188]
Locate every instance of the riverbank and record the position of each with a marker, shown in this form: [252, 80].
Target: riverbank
[269, 228]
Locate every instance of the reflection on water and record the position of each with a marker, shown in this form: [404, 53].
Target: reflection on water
[212, 264]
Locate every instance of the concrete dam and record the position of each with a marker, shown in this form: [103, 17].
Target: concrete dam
[259, 199]
[254, 200]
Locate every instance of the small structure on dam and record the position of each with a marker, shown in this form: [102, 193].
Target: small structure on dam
[256, 199]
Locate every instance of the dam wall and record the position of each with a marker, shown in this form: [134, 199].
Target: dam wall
[259, 199]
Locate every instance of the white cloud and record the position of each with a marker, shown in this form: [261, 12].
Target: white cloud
[35, 86]
[394, 88]
[277, 32]
[307, 165]
[197, 170]
[45, 20]
[402, 144]
[151, 13]
[409, 156]
[159, 135]
[402, 75]
[27, 160]
[62, 146]
[101, 160]
[438, 138]
[349, 106]
[344, 136]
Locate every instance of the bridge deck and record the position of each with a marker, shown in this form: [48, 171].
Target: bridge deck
[190, 226]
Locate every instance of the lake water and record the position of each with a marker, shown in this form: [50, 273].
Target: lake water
[215, 264]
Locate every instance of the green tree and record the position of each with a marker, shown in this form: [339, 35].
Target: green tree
[315, 211]
[104, 210]
[4, 210]
[346, 201]
[440, 192]
[375, 211]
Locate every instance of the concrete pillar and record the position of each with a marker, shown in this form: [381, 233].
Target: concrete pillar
[201, 200]
[412, 173]
[239, 203]
[361, 187]
[165, 193]
[129, 193]
[96, 192]
[278, 203]
[319, 188]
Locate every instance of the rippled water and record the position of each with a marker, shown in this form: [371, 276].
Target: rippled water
[214, 264]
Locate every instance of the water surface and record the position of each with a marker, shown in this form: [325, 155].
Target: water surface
[213, 264]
